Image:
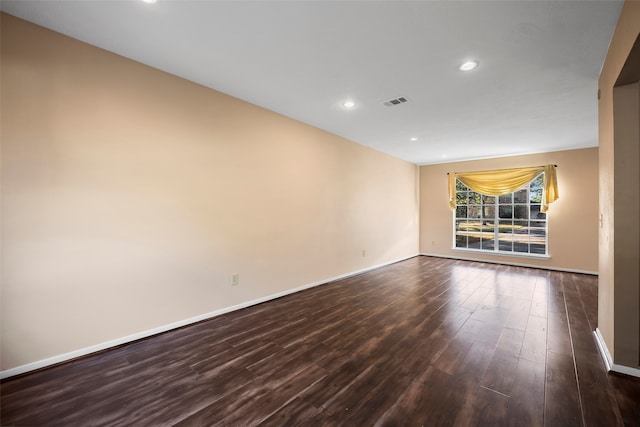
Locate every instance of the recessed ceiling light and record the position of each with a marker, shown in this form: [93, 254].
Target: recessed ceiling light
[348, 104]
[413, 139]
[150, 1]
[467, 66]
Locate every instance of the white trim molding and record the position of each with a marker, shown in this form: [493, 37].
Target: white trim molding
[516, 264]
[608, 360]
[181, 323]
[604, 351]
[497, 253]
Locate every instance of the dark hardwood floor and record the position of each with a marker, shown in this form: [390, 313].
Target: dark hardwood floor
[424, 342]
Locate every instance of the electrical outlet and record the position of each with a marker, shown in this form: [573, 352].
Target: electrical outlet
[235, 279]
[433, 243]
[364, 253]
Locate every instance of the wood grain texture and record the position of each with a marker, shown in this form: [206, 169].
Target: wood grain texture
[426, 341]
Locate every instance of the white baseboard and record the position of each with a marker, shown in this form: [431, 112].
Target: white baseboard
[604, 351]
[155, 331]
[515, 264]
[608, 360]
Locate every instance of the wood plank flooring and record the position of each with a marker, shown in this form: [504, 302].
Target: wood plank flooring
[424, 342]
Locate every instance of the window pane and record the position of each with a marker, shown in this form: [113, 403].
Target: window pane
[537, 229]
[474, 241]
[521, 236]
[521, 227]
[487, 227]
[505, 244]
[505, 211]
[505, 198]
[506, 227]
[536, 214]
[537, 249]
[475, 198]
[488, 234]
[535, 189]
[520, 212]
[474, 229]
[461, 198]
[536, 195]
[488, 243]
[461, 211]
[489, 200]
[460, 186]
[489, 212]
[505, 237]
[474, 211]
[520, 196]
[522, 247]
[461, 234]
[537, 237]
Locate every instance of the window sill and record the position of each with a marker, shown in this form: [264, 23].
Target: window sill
[507, 254]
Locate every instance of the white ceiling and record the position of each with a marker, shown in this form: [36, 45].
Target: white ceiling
[535, 89]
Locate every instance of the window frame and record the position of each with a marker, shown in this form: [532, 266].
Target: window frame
[495, 250]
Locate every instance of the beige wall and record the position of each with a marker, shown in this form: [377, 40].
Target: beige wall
[626, 107]
[573, 218]
[130, 197]
[617, 318]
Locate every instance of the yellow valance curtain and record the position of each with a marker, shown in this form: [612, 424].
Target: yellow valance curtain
[504, 181]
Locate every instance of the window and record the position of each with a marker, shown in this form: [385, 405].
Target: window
[512, 223]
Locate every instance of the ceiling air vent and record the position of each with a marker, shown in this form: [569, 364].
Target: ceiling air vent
[395, 101]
